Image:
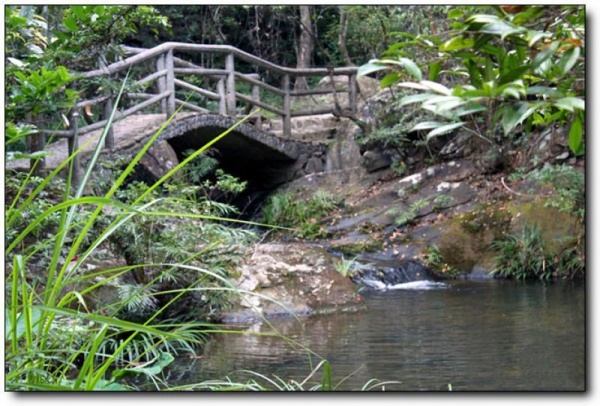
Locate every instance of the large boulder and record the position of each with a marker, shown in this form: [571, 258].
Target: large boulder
[289, 279]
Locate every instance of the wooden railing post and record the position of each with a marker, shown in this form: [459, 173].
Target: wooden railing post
[256, 97]
[352, 93]
[287, 118]
[73, 144]
[36, 143]
[223, 99]
[161, 82]
[170, 66]
[230, 91]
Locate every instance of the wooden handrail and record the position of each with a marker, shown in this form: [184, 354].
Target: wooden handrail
[167, 65]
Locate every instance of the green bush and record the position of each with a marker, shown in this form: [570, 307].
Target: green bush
[498, 70]
[286, 209]
[524, 256]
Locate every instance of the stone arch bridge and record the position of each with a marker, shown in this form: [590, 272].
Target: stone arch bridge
[210, 99]
[252, 153]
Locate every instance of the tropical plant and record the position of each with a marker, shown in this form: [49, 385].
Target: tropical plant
[346, 267]
[286, 209]
[407, 216]
[435, 259]
[521, 65]
[525, 256]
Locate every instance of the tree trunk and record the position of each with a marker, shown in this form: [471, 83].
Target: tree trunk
[342, 36]
[307, 45]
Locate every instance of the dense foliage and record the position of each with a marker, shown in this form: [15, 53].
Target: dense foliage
[498, 74]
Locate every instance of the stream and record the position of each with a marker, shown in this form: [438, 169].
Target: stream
[487, 335]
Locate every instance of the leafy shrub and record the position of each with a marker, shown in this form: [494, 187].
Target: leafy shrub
[522, 66]
[435, 259]
[524, 256]
[285, 209]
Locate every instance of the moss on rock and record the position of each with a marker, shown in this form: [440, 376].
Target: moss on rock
[466, 240]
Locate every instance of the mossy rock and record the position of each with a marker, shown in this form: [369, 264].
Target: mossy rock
[558, 229]
[355, 246]
[466, 240]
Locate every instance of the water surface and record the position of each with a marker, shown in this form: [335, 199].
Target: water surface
[473, 335]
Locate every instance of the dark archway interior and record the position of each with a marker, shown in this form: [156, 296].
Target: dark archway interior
[262, 167]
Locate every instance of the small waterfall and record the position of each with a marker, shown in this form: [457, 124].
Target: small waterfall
[405, 275]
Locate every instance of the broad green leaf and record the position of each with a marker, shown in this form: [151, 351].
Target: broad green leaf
[474, 73]
[568, 60]
[79, 11]
[544, 55]
[444, 129]
[456, 44]
[434, 70]
[513, 115]
[570, 103]
[402, 34]
[412, 85]
[389, 79]
[426, 125]
[482, 40]
[576, 136]
[16, 62]
[407, 64]
[510, 92]
[444, 107]
[10, 155]
[412, 68]
[489, 73]
[544, 91]
[36, 316]
[489, 88]
[455, 13]
[164, 359]
[531, 13]
[370, 67]
[415, 98]
[513, 75]
[496, 51]
[533, 36]
[494, 25]
[470, 108]
[70, 24]
[436, 99]
[436, 87]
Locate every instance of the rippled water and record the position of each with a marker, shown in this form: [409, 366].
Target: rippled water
[484, 335]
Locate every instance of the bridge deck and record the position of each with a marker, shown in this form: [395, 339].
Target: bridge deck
[132, 132]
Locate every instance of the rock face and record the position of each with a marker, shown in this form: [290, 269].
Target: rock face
[376, 159]
[160, 159]
[290, 279]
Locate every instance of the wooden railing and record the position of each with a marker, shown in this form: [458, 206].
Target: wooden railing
[159, 66]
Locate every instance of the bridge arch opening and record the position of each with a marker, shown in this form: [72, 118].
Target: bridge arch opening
[262, 168]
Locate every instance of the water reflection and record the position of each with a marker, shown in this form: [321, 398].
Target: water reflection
[488, 335]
